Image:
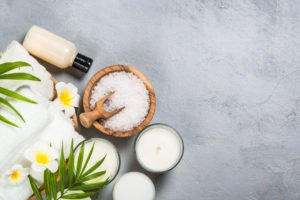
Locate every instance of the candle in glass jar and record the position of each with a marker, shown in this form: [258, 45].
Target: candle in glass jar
[134, 186]
[102, 148]
[159, 148]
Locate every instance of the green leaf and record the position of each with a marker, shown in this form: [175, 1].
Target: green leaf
[5, 67]
[71, 164]
[35, 189]
[92, 186]
[5, 102]
[15, 95]
[53, 186]
[91, 177]
[78, 195]
[94, 167]
[7, 121]
[87, 159]
[47, 185]
[19, 76]
[80, 160]
[62, 170]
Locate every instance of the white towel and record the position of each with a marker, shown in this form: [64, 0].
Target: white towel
[44, 122]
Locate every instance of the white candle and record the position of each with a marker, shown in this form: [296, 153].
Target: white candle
[102, 147]
[159, 148]
[134, 186]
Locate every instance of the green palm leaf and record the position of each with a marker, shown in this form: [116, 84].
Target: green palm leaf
[75, 180]
[15, 95]
[78, 195]
[7, 121]
[94, 167]
[92, 176]
[5, 102]
[80, 160]
[71, 165]
[62, 170]
[47, 185]
[53, 186]
[87, 159]
[92, 186]
[19, 76]
[5, 67]
[35, 189]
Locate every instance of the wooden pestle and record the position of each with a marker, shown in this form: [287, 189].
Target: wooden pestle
[88, 118]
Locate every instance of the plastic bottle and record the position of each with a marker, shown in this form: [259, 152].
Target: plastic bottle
[55, 49]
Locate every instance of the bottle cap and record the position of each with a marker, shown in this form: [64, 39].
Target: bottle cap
[82, 63]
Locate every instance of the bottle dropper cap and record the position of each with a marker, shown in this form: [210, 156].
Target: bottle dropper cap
[82, 63]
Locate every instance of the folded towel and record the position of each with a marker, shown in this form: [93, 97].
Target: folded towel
[44, 122]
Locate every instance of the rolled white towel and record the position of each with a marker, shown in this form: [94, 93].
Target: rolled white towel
[16, 52]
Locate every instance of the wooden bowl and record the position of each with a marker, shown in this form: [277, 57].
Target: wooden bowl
[116, 68]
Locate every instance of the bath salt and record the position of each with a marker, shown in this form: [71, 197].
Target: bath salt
[129, 92]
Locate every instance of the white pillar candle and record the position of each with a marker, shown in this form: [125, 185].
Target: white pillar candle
[159, 148]
[102, 147]
[134, 186]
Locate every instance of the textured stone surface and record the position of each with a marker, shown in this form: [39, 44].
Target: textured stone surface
[226, 75]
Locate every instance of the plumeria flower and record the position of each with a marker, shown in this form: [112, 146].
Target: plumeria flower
[16, 175]
[42, 156]
[67, 97]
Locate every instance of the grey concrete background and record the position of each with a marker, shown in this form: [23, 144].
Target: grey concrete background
[226, 75]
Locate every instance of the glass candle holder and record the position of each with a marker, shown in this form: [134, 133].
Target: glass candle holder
[102, 148]
[126, 186]
[159, 148]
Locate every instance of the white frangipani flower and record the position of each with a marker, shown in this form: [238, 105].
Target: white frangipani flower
[42, 156]
[16, 175]
[67, 97]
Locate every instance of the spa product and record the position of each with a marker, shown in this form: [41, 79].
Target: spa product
[102, 148]
[55, 49]
[134, 186]
[159, 148]
[129, 92]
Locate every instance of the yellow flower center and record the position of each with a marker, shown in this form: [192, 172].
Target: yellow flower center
[65, 97]
[15, 175]
[42, 158]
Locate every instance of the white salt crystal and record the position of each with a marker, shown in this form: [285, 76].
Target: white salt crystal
[129, 92]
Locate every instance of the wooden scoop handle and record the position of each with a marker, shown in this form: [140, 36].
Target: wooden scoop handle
[87, 119]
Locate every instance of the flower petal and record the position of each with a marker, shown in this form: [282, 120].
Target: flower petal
[75, 100]
[29, 154]
[57, 104]
[69, 111]
[37, 172]
[53, 154]
[59, 87]
[72, 88]
[14, 168]
[52, 166]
